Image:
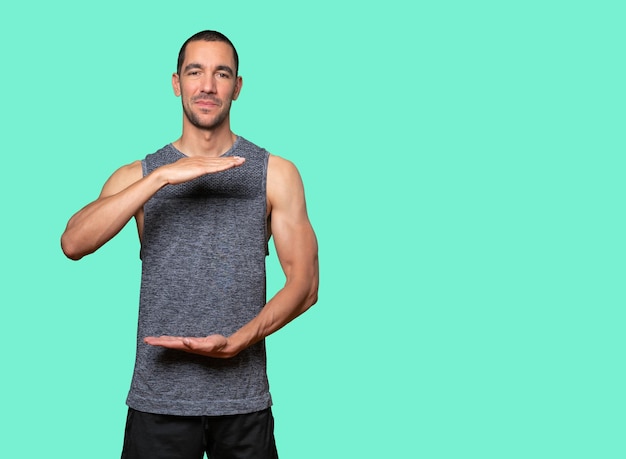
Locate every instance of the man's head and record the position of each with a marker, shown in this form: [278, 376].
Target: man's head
[207, 80]
[206, 35]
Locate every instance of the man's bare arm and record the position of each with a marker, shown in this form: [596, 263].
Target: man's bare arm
[123, 197]
[296, 246]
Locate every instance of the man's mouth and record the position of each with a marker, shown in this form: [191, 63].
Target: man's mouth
[204, 102]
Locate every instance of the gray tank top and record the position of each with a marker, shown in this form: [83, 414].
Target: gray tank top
[203, 272]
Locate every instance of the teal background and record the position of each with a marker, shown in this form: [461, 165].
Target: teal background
[464, 166]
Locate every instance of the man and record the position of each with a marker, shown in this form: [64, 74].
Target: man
[205, 207]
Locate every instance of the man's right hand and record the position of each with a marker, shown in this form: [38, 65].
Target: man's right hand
[189, 168]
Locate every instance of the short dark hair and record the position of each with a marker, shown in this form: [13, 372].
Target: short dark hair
[206, 35]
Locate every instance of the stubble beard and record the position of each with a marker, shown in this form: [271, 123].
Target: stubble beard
[211, 123]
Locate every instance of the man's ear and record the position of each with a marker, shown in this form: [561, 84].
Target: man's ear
[238, 86]
[176, 84]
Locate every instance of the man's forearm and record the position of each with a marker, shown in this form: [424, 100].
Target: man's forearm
[292, 300]
[94, 225]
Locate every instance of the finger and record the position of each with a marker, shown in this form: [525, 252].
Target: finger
[198, 344]
[167, 341]
[162, 338]
[230, 163]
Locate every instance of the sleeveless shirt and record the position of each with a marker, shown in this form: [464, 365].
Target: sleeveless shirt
[203, 254]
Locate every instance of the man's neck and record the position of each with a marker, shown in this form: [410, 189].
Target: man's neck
[200, 142]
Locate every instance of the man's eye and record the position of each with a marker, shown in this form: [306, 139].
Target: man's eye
[223, 75]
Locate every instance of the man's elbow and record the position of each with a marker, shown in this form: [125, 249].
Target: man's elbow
[75, 256]
[311, 300]
[70, 250]
[312, 296]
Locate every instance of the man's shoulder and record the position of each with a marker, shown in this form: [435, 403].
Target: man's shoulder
[283, 179]
[280, 165]
[130, 173]
[122, 178]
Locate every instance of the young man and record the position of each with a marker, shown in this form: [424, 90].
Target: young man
[205, 207]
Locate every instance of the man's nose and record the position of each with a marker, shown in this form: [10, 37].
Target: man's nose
[209, 84]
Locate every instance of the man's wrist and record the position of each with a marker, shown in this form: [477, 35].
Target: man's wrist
[236, 343]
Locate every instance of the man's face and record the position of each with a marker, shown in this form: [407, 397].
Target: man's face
[207, 83]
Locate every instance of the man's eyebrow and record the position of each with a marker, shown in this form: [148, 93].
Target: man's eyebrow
[225, 68]
[193, 65]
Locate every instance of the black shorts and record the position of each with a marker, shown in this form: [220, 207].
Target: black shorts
[158, 436]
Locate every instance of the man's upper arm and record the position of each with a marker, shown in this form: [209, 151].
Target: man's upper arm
[293, 234]
[122, 178]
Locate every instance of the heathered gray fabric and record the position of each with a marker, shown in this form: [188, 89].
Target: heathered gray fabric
[203, 251]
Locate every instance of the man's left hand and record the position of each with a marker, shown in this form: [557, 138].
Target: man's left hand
[210, 346]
